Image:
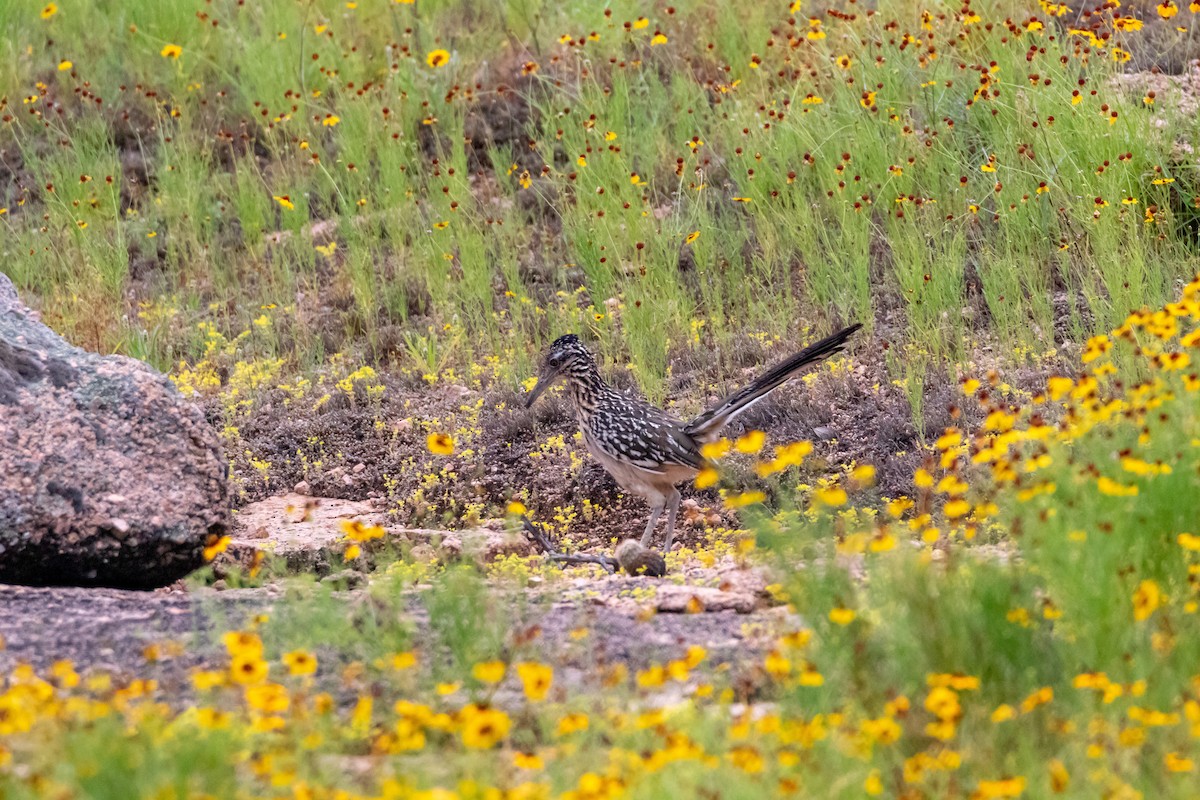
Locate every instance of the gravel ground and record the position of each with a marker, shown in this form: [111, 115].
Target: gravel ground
[108, 630]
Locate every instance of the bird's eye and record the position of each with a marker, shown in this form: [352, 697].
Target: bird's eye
[556, 362]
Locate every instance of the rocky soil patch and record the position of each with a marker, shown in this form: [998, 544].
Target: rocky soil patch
[724, 606]
[306, 534]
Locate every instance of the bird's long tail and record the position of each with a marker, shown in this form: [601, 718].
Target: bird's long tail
[711, 422]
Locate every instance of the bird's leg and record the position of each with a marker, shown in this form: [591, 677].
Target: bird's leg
[655, 512]
[672, 512]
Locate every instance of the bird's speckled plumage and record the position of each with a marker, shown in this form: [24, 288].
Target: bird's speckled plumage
[645, 449]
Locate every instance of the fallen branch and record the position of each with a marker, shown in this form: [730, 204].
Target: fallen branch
[541, 540]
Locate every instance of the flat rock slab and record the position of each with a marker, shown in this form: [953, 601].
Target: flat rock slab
[306, 532]
[699, 599]
[302, 530]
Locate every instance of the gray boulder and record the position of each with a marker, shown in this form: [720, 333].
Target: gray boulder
[108, 477]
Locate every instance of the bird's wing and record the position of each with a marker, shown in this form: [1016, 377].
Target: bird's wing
[637, 433]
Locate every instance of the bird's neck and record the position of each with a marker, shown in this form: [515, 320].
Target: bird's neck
[584, 389]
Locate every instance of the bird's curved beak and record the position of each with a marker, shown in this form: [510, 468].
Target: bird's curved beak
[544, 381]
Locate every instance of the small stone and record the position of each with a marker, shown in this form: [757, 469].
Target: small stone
[347, 480]
[349, 578]
[499, 545]
[302, 488]
[422, 553]
[638, 560]
[451, 549]
[115, 499]
[359, 468]
[119, 525]
[260, 532]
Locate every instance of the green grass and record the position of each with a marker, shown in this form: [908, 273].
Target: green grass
[851, 205]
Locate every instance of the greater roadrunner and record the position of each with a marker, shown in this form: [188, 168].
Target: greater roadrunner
[645, 449]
